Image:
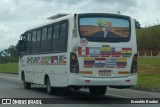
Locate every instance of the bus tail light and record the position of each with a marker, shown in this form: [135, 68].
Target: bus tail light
[74, 66]
[134, 64]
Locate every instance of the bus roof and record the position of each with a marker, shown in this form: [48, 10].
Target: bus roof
[59, 15]
[52, 19]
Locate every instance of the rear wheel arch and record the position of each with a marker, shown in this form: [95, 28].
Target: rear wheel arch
[45, 79]
[48, 85]
[22, 75]
[26, 85]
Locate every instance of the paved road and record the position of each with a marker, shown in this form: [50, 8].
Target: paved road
[109, 35]
[11, 87]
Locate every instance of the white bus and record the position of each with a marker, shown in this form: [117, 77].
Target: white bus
[91, 50]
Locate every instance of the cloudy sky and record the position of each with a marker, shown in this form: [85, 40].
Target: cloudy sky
[18, 15]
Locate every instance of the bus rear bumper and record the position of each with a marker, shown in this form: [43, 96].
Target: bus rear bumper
[78, 80]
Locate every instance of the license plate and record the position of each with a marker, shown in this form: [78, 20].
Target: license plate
[105, 72]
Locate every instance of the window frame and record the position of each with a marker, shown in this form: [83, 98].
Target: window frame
[110, 40]
[66, 37]
[52, 39]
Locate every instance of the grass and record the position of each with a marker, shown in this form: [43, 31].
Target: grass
[148, 82]
[9, 68]
[149, 63]
[148, 73]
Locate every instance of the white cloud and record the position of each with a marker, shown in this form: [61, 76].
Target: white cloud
[5, 33]
[146, 12]
[18, 15]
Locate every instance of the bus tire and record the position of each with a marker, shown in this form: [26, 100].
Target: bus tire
[48, 86]
[26, 85]
[97, 90]
[76, 87]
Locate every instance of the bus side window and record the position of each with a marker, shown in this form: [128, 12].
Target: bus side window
[34, 43]
[34, 36]
[49, 38]
[24, 37]
[63, 30]
[29, 37]
[44, 34]
[50, 32]
[59, 38]
[38, 35]
[56, 31]
[28, 43]
[45, 43]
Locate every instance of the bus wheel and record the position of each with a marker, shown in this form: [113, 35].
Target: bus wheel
[97, 90]
[26, 85]
[48, 86]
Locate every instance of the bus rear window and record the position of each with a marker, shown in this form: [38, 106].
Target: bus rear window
[104, 29]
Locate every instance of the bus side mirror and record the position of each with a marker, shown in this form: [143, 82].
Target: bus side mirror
[137, 24]
[21, 46]
[74, 32]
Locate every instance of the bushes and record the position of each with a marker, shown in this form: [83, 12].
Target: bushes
[148, 39]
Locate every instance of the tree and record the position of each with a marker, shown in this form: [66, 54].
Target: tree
[12, 51]
[9, 55]
[101, 21]
[148, 39]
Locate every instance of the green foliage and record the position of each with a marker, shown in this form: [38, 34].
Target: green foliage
[148, 74]
[101, 21]
[9, 55]
[149, 82]
[148, 38]
[9, 68]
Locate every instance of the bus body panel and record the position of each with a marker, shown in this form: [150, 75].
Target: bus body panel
[78, 80]
[92, 71]
[124, 78]
[36, 67]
